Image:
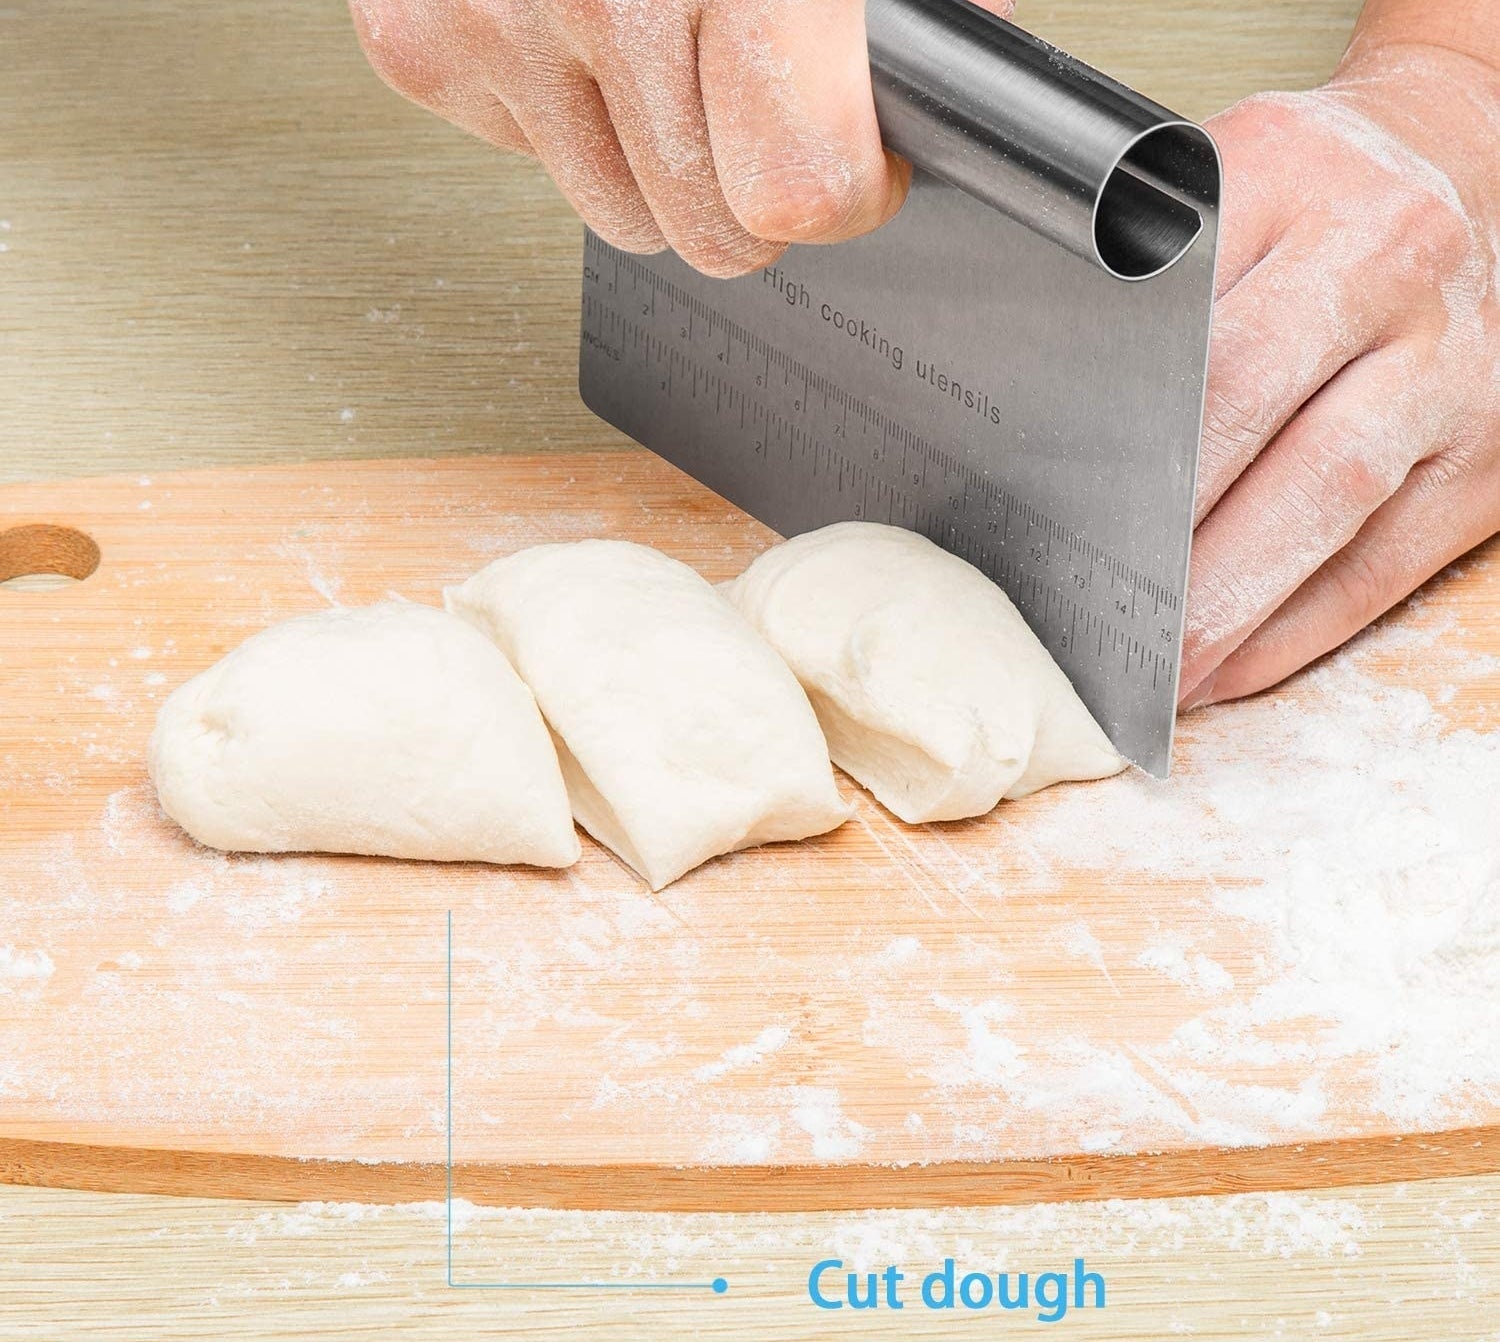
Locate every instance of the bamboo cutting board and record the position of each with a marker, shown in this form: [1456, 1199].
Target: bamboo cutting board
[1069, 998]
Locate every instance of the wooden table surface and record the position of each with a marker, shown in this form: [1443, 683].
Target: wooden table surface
[224, 241]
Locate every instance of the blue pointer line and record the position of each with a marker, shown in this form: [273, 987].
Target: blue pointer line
[718, 1285]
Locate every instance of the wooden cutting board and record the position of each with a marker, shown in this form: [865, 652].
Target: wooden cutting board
[999, 1010]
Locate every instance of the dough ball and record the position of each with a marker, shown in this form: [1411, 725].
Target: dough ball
[396, 731]
[932, 690]
[681, 733]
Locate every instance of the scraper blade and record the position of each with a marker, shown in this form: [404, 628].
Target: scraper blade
[1014, 366]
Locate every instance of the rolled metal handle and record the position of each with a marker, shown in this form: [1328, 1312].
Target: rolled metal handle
[1102, 171]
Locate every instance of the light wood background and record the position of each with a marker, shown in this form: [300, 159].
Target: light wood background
[230, 243]
[225, 242]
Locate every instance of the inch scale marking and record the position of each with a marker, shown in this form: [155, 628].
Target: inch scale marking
[716, 392]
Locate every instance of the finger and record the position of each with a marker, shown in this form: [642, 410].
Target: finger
[647, 72]
[436, 58]
[1301, 502]
[791, 120]
[490, 120]
[1404, 543]
[1253, 210]
[474, 108]
[1279, 336]
[564, 118]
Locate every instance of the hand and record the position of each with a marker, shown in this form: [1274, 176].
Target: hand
[1352, 436]
[724, 129]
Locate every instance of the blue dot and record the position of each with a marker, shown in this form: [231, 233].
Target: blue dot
[720, 1285]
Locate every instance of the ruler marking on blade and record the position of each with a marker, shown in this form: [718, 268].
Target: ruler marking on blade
[955, 525]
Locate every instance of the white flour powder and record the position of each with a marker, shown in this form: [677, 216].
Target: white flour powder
[1297, 936]
[1366, 840]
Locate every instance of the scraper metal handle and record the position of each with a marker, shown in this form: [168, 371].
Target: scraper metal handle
[1092, 165]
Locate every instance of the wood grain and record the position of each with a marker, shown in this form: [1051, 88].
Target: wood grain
[1397, 1263]
[798, 1026]
[40, 549]
[141, 146]
[620, 1187]
[228, 242]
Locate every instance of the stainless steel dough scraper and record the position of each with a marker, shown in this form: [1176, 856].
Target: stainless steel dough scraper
[1013, 367]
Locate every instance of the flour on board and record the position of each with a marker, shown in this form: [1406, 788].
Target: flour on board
[1311, 909]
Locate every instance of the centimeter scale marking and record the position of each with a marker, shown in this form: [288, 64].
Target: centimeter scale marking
[714, 358]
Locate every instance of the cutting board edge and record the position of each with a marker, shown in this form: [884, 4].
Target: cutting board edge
[1337, 1163]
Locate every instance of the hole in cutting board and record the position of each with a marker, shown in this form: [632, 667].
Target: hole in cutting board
[41, 557]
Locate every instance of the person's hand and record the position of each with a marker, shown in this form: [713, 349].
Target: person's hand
[724, 129]
[1352, 435]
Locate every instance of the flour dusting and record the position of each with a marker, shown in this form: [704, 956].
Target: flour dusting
[21, 964]
[1296, 938]
[1365, 840]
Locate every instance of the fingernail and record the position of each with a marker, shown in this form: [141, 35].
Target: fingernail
[899, 179]
[1202, 694]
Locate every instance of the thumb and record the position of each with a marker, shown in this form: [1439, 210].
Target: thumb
[791, 119]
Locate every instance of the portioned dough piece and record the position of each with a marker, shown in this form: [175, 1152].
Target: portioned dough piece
[395, 731]
[932, 690]
[682, 734]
